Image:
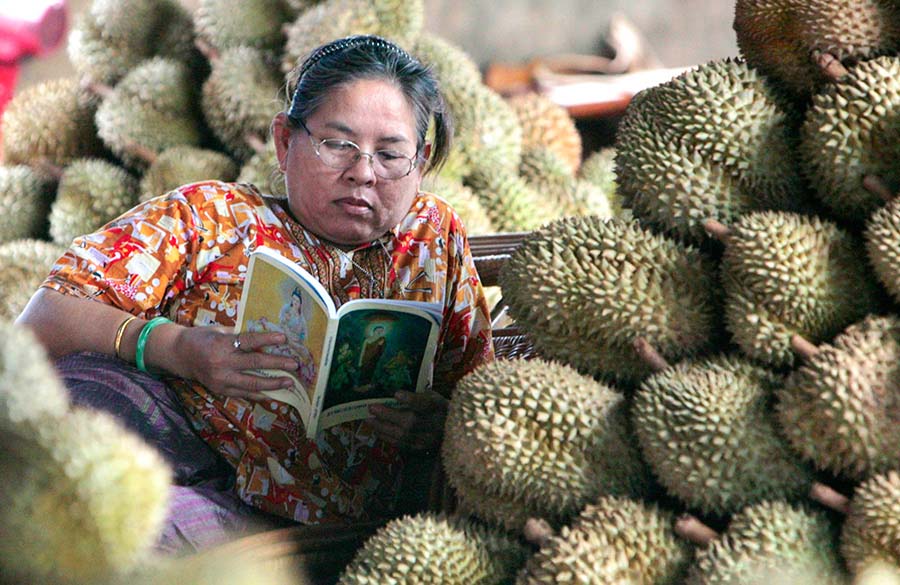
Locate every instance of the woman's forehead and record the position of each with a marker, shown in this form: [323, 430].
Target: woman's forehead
[367, 104]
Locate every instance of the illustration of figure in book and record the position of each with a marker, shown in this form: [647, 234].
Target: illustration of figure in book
[292, 321]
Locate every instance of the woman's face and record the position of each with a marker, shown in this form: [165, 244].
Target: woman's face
[353, 206]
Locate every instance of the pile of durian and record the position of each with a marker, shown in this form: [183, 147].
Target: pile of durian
[161, 97]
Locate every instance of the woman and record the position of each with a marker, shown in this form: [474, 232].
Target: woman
[352, 149]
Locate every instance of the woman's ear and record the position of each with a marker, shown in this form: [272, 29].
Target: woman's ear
[281, 135]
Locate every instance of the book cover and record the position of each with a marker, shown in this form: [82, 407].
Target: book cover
[348, 358]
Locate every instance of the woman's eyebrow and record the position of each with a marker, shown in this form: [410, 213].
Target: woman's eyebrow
[348, 131]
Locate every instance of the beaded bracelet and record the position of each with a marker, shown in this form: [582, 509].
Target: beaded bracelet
[120, 332]
[142, 341]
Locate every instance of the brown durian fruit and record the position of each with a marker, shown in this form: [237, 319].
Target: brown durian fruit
[180, 165]
[787, 39]
[249, 23]
[26, 263]
[547, 124]
[871, 531]
[25, 197]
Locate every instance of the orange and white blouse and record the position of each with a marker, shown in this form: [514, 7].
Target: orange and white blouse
[184, 256]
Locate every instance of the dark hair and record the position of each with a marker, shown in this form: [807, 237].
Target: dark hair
[358, 57]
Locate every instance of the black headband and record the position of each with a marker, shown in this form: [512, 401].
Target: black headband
[350, 43]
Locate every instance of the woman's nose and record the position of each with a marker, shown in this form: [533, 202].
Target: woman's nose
[362, 171]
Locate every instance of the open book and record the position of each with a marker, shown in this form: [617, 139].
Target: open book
[349, 358]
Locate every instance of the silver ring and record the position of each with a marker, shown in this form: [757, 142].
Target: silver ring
[237, 342]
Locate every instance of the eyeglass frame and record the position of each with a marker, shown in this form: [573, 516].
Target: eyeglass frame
[413, 161]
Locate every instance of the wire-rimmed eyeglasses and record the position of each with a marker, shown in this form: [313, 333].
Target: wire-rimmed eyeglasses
[341, 154]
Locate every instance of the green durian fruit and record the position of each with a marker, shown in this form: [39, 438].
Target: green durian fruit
[91, 192]
[782, 38]
[771, 543]
[249, 23]
[435, 549]
[153, 107]
[711, 143]
[837, 409]
[585, 288]
[26, 263]
[262, 170]
[541, 435]
[30, 390]
[240, 98]
[464, 202]
[180, 165]
[614, 540]
[105, 56]
[706, 429]
[52, 122]
[871, 531]
[509, 203]
[89, 499]
[852, 130]
[224, 565]
[882, 239]
[787, 274]
[450, 63]
[599, 169]
[549, 125]
[548, 174]
[25, 197]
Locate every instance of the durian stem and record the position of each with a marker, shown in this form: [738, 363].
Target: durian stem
[206, 49]
[141, 152]
[829, 497]
[876, 186]
[649, 355]
[97, 88]
[255, 142]
[803, 347]
[717, 230]
[830, 65]
[693, 530]
[51, 169]
[538, 531]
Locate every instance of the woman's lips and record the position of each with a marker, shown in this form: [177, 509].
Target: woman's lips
[354, 205]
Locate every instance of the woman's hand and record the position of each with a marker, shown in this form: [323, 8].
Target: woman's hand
[416, 423]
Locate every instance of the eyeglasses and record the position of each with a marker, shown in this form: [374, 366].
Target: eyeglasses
[342, 154]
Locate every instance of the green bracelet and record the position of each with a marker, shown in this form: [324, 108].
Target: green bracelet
[142, 341]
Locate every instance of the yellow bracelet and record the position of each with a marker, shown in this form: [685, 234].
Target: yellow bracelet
[120, 333]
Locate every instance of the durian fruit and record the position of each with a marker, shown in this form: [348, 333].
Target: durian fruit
[614, 540]
[548, 174]
[784, 39]
[599, 168]
[25, 197]
[871, 531]
[882, 239]
[180, 165]
[706, 429]
[584, 289]
[30, 390]
[26, 263]
[262, 170]
[787, 274]
[91, 192]
[464, 202]
[837, 409]
[771, 543]
[711, 143]
[509, 202]
[250, 23]
[89, 498]
[540, 436]
[851, 131]
[52, 122]
[240, 98]
[547, 124]
[431, 548]
[153, 107]
[449, 62]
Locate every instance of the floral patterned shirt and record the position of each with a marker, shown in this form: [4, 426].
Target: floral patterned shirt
[184, 256]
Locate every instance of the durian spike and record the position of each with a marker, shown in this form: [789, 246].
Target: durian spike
[538, 531]
[717, 230]
[693, 530]
[876, 186]
[829, 497]
[830, 65]
[256, 142]
[649, 355]
[207, 50]
[803, 347]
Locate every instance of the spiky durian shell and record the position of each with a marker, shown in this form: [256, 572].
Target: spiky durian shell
[771, 543]
[547, 124]
[154, 106]
[464, 202]
[787, 274]
[431, 548]
[599, 169]
[180, 165]
[90, 498]
[262, 170]
[840, 408]
[52, 121]
[240, 97]
[871, 531]
[882, 238]
[548, 174]
[91, 192]
[614, 540]
[30, 389]
[510, 204]
[450, 63]
[250, 23]
[105, 56]
[711, 143]
[851, 131]
[779, 37]
[585, 289]
[25, 264]
[25, 197]
[707, 430]
[541, 434]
